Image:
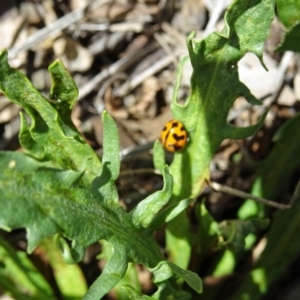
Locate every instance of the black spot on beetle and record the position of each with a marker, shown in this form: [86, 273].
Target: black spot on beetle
[178, 137]
[177, 147]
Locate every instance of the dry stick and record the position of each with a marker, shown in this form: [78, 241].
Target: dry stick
[118, 27]
[154, 68]
[279, 80]
[278, 84]
[296, 194]
[164, 44]
[103, 88]
[215, 16]
[118, 66]
[132, 152]
[234, 192]
[176, 38]
[138, 79]
[54, 27]
[107, 41]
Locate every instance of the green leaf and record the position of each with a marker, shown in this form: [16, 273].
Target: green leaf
[19, 277]
[291, 40]
[133, 294]
[130, 278]
[170, 212]
[288, 12]
[215, 85]
[111, 147]
[234, 232]
[63, 92]
[27, 141]
[38, 197]
[47, 201]
[105, 183]
[225, 265]
[158, 156]
[144, 212]
[69, 278]
[165, 269]
[49, 136]
[244, 132]
[114, 270]
[58, 190]
[249, 209]
[208, 232]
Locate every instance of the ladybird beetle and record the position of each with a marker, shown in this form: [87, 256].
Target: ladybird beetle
[174, 136]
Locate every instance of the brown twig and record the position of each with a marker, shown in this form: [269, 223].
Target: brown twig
[234, 192]
[55, 27]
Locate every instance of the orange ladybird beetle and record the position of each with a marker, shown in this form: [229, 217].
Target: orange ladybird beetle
[174, 136]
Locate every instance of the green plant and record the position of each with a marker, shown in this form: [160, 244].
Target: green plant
[215, 85]
[60, 181]
[289, 14]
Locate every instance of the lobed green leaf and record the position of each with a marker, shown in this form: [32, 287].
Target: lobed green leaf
[215, 85]
[64, 190]
[48, 136]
